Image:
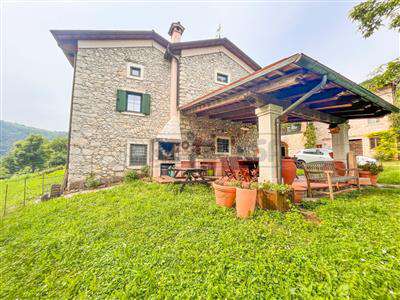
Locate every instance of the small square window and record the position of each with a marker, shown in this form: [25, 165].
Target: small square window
[138, 155]
[223, 145]
[133, 102]
[222, 78]
[135, 71]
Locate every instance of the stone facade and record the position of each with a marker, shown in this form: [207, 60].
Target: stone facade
[100, 135]
[359, 129]
[197, 74]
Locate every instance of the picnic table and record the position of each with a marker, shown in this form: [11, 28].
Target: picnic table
[189, 176]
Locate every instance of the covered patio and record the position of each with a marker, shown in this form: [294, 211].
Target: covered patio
[294, 89]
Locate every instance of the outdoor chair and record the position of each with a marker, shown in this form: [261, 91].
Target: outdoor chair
[325, 172]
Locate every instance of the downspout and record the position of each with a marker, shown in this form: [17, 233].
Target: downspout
[293, 106]
[65, 183]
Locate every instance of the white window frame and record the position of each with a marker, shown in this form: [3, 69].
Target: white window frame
[128, 151]
[132, 65]
[224, 138]
[222, 73]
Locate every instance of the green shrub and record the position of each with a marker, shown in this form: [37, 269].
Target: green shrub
[145, 171]
[132, 175]
[371, 167]
[92, 182]
[387, 145]
[282, 189]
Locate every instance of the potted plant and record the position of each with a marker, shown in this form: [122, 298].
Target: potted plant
[225, 191]
[370, 170]
[274, 196]
[246, 197]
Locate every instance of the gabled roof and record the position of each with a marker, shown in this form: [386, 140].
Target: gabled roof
[283, 83]
[68, 41]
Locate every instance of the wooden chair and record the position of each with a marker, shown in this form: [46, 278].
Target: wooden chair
[226, 169]
[325, 172]
[238, 172]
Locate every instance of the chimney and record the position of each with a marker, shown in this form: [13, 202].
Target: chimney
[175, 31]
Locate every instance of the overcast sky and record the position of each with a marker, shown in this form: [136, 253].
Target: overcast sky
[36, 76]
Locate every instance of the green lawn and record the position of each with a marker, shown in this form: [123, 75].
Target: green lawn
[147, 240]
[391, 173]
[15, 195]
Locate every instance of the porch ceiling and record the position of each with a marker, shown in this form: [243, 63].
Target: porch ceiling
[284, 82]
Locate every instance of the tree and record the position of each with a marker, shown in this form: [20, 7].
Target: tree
[372, 14]
[310, 135]
[388, 75]
[57, 152]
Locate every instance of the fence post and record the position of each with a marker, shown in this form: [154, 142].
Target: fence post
[24, 191]
[43, 184]
[5, 200]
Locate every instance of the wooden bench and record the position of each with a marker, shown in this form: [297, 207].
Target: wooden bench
[325, 172]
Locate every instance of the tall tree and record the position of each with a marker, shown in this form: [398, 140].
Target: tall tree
[57, 152]
[372, 14]
[311, 136]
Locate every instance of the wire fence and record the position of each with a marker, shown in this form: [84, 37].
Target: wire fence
[23, 190]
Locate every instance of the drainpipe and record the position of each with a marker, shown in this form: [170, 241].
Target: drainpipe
[293, 106]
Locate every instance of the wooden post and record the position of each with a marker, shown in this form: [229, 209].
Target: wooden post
[43, 184]
[5, 201]
[25, 191]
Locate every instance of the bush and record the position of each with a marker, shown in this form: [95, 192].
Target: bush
[92, 182]
[132, 175]
[387, 145]
[145, 171]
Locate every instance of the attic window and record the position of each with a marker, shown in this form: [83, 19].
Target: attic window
[222, 78]
[134, 71]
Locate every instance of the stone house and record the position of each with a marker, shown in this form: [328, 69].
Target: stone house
[293, 138]
[127, 87]
[141, 100]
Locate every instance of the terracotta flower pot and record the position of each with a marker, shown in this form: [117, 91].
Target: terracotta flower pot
[340, 167]
[288, 170]
[374, 179]
[224, 195]
[364, 174]
[245, 202]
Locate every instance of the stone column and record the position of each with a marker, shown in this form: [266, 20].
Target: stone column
[267, 141]
[340, 143]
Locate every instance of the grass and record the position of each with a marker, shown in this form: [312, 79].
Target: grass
[391, 173]
[146, 240]
[15, 195]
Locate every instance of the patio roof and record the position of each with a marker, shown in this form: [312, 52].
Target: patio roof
[283, 83]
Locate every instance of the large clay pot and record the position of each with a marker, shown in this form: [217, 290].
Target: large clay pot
[288, 170]
[364, 174]
[224, 195]
[340, 167]
[245, 202]
[374, 179]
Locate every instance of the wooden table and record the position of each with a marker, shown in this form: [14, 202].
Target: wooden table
[189, 176]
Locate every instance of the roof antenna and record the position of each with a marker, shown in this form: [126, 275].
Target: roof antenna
[219, 31]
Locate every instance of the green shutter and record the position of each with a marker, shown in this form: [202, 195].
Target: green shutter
[145, 105]
[121, 100]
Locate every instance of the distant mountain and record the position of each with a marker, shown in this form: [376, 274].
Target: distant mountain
[13, 132]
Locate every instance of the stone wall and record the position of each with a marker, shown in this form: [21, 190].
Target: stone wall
[197, 74]
[200, 135]
[100, 134]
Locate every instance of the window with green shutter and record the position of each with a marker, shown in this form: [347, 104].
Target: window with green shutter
[133, 102]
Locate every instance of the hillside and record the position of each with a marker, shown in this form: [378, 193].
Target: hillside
[13, 132]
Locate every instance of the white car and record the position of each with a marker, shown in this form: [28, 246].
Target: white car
[313, 154]
[362, 160]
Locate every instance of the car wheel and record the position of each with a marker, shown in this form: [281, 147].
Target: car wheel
[300, 164]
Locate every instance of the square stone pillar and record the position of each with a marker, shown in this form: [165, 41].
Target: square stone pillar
[340, 143]
[267, 142]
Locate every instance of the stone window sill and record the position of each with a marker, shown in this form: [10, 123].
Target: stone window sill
[131, 113]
